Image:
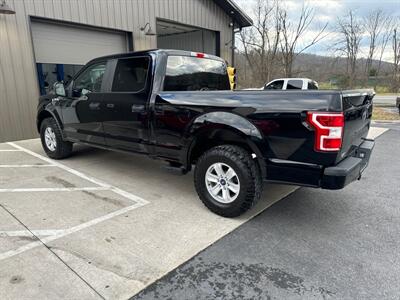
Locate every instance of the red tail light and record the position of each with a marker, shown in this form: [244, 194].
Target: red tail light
[328, 130]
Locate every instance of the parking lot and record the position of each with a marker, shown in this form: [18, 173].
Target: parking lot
[100, 224]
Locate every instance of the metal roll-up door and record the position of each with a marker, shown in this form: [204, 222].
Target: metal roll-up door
[59, 43]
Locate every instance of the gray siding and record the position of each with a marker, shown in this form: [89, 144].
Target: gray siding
[18, 81]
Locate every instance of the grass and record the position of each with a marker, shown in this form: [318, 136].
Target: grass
[381, 113]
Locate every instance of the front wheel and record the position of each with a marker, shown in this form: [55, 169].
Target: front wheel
[52, 141]
[228, 180]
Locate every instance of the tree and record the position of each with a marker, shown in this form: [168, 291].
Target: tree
[292, 33]
[396, 58]
[261, 41]
[350, 31]
[374, 25]
[385, 38]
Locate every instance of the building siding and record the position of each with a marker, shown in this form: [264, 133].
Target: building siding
[18, 80]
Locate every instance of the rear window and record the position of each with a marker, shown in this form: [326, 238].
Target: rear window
[312, 85]
[185, 73]
[294, 85]
[131, 74]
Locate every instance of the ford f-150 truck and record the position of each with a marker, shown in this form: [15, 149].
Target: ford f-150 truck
[177, 106]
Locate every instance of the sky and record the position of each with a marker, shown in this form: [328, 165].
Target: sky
[328, 11]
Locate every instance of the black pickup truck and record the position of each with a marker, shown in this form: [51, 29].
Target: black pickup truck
[177, 106]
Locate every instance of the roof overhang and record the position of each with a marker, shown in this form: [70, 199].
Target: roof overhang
[232, 9]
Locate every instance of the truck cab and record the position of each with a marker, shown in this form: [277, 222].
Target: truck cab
[291, 84]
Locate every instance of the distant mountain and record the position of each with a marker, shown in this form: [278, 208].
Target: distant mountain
[317, 67]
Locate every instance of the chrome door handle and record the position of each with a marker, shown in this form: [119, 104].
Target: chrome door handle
[137, 108]
[94, 106]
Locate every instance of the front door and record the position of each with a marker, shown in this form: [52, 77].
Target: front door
[126, 119]
[82, 108]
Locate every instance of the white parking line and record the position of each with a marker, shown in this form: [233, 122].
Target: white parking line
[9, 150]
[22, 190]
[22, 233]
[26, 166]
[68, 169]
[51, 235]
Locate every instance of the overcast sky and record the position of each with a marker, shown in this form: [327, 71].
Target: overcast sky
[329, 11]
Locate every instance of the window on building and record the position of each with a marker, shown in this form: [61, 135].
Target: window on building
[186, 73]
[294, 85]
[91, 78]
[131, 74]
[275, 85]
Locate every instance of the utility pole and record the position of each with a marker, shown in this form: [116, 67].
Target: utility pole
[233, 43]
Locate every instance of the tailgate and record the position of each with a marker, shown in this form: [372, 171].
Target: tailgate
[357, 109]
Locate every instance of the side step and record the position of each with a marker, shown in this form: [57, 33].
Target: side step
[177, 169]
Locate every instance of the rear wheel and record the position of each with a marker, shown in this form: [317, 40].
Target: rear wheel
[228, 180]
[52, 141]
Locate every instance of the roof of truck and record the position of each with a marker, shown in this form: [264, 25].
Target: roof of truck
[157, 51]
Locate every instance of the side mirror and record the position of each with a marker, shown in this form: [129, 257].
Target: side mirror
[59, 89]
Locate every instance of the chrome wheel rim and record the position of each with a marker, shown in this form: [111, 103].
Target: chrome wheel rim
[222, 183]
[50, 139]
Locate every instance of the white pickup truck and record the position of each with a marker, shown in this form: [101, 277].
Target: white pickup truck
[291, 84]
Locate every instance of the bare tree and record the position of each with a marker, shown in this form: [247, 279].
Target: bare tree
[374, 26]
[261, 41]
[292, 33]
[350, 30]
[396, 58]
[384, 40]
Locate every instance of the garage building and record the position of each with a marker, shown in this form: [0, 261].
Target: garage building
[50, 40]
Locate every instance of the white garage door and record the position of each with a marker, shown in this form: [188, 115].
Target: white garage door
[183, 37]
[65, 44]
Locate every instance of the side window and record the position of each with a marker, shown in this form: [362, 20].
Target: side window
[91, 78]
[131, 74]
[312, 85]
[294, 85]
[275, 85]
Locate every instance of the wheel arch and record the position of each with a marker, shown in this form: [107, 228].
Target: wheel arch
[44, 114]
[219, 128]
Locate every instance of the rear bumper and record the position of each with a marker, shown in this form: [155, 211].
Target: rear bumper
[348, 170]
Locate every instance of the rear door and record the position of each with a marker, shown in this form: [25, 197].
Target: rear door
[357, 109]
[82, 107]
[294, 84]
[126, 119]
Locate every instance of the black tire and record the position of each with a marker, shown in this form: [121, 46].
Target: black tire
[247, 171]
[63, 148]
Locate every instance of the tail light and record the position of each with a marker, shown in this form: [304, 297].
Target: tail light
[328, 130]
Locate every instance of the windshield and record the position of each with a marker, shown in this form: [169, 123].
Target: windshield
[186, 73]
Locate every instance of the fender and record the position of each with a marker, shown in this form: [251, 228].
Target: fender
[250, 134]
[47, 109]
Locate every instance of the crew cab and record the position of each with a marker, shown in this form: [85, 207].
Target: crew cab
[291, 84]
[177, 106]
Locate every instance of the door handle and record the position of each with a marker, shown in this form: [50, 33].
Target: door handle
[55, 100]
[94, 105]
[110, 105]
[137, 108]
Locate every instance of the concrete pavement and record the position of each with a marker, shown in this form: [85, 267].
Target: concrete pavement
[99, 224]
